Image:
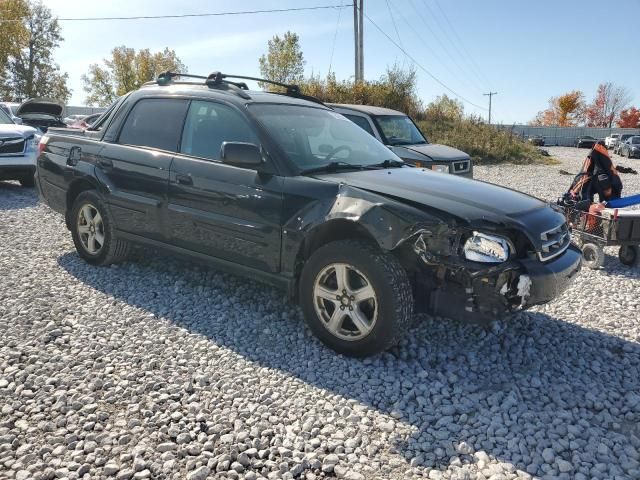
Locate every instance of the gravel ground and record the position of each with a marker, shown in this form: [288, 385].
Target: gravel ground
[163, 369]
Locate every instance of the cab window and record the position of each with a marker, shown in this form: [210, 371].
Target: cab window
[362, 122]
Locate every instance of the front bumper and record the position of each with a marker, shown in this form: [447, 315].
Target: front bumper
[550, 279]
[490, 292]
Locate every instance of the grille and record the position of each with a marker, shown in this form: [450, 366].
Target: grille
[554, 242]
[461, 167]
[11, 145]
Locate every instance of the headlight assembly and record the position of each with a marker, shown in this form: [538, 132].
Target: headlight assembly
[485, 248]
[440, 168]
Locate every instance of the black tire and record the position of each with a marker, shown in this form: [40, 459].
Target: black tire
[629, 255]
[113, 249]
[593, 255]
[28, 182]
[387, 278]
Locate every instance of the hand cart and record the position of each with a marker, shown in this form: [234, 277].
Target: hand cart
[612, 226]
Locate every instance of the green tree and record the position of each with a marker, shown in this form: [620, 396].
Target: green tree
[13, 33]
[30, 71]
[444, 108]
[126, 70]
[284, 61]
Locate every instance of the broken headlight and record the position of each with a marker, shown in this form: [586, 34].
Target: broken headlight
[482, 247]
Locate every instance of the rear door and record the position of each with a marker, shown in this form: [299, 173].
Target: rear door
[220, 210]
[135, 167]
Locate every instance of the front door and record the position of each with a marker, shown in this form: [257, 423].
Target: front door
[220, 210]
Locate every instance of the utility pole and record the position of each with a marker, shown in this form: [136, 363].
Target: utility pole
[361, 39]
[358, 39]
[490, 94]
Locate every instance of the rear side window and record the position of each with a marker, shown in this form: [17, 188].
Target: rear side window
[155, 123]
[209, 124]
[362, 122]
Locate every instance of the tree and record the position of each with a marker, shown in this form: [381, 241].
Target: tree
[284, 61]
[396, 89]
[444, 108]
[564, 111]
[126, 70]
[609, 101]
[629, 118]
[30, 71]
[13, 34]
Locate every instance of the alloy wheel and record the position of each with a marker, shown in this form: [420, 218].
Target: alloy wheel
[345, 301]
[90, 229]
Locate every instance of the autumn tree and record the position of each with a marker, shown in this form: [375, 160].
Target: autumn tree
[564, 111]
[609, 101]
[126, 70]
[30, 70]
[444, 107]
[629, 118]
[283, 61]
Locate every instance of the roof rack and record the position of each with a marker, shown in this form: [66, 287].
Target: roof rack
[219, 80]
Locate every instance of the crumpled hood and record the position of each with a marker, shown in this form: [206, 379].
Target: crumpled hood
[40, 106]
[470, 200]
[17, 131]
[436, 152]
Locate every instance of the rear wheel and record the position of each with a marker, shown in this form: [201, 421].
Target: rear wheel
[93, 231]
[593, 255]
[356, 299]
[629, 255]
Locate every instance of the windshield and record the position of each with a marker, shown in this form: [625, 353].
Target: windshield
[587, 137]
[4, 118]
[635, 140]
[314, 137]
[400, 130]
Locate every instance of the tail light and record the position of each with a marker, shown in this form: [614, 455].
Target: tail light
[43, 144]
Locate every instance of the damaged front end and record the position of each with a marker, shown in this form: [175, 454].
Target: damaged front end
[466, 274]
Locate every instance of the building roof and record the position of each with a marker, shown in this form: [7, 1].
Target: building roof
[368, 109]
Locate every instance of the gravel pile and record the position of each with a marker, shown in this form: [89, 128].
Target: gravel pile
[163, 369]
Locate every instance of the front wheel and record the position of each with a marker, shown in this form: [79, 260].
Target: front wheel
[356, 299]
[93, 231]
[593, 255]
[629, 255]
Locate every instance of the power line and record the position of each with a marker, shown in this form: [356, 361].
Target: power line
[192, 15]
[335, 35]
[477, 71]
[421, 67]
[393, 20]
[465, 78]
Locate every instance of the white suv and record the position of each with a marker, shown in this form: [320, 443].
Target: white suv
[18, 151]
[611, 140]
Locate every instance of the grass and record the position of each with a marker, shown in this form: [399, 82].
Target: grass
[485, 144]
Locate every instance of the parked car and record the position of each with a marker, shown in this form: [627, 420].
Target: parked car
[41, 113]
[537, 140]
[618, 145]
[10, 108]
[282, 189]
[404, 138]
[611, 140]
[18, 151]
[631, 147]
[586, 141]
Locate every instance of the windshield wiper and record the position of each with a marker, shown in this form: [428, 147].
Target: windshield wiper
[334, 166]
[390, 163]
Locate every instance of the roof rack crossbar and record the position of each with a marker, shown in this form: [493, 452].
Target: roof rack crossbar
[219, 80]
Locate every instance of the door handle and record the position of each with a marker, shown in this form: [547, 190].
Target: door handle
[105, 163]
[184, 179]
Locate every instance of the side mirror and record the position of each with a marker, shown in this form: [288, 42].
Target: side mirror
[241, 154]
[17, 120]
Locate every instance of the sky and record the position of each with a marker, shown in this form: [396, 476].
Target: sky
[526, 51]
